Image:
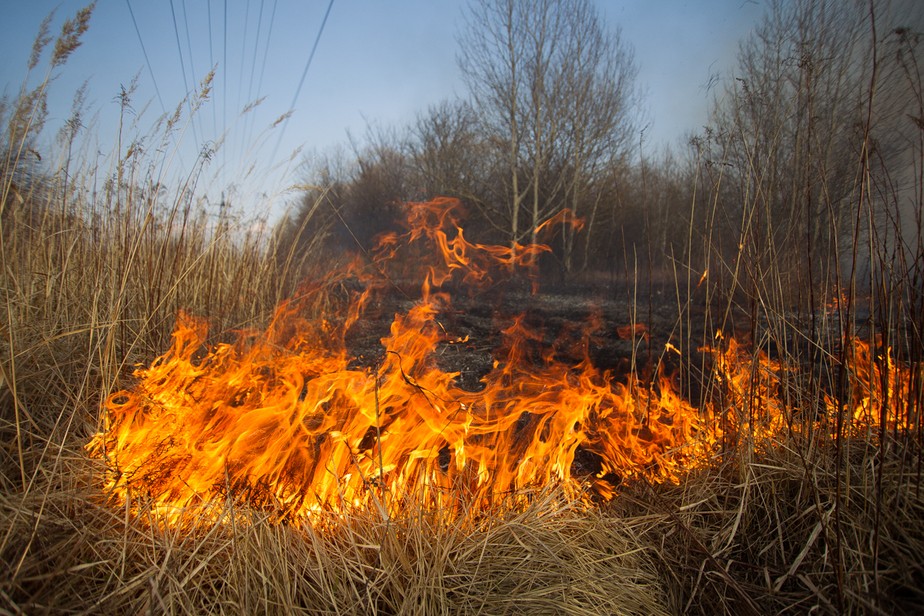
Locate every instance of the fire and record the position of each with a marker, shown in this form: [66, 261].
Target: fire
[286, 419]
[880, 391]
[749, 384]
[876, 392]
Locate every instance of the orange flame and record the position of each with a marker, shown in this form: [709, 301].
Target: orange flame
[880, 391]
[284, 419]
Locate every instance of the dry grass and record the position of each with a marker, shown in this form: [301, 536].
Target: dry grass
[786, 535]
[72, 553]
[91, 284]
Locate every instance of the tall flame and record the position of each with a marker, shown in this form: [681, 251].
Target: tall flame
[286, 419]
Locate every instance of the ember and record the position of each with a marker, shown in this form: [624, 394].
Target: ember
[286, 420]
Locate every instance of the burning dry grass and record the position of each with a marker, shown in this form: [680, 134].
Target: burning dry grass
[284, 416]
[820, 517]
[807, 522]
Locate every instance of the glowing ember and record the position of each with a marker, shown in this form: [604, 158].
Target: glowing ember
[284, 420]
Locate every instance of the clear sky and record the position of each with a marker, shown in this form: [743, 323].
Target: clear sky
[377, 61]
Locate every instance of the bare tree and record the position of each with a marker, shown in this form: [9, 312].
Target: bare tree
[447, 155]
[599, 117]
[492, 59]
[554, 92]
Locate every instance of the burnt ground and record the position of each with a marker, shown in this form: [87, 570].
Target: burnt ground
[571, 317]
[567, 319]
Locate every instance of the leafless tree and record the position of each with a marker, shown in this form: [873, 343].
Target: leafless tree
[447, 154]
[554, 92]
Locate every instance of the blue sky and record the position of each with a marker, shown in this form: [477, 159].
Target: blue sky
[377, 62]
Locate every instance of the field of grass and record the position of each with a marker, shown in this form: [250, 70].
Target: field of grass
[822, 516]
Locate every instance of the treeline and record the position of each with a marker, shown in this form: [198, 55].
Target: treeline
[812, 150]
